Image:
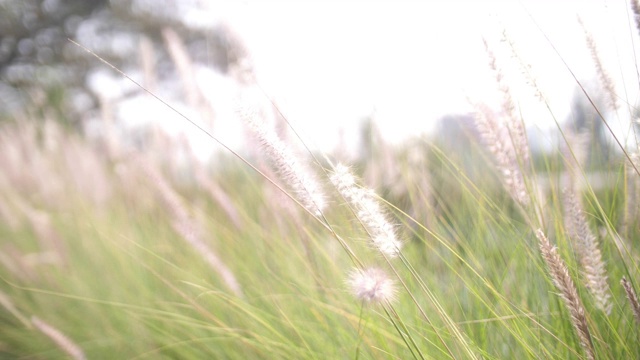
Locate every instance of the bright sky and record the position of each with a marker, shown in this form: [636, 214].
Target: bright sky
[408, 63]
[331, 64]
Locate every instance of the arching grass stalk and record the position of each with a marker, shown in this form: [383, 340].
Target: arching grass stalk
[494, 291]
[61, 340]
[402, 330]
[366, 208]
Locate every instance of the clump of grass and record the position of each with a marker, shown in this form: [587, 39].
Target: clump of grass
[221, 264]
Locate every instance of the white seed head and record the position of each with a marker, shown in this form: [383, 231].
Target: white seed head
[290, 167]
[368, 210]
[372, 285]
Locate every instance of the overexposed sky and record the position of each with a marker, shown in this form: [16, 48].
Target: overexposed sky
[329, 65]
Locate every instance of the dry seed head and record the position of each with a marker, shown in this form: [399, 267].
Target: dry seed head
[63, 342]
[8, 305]
[632, 297]
[586, 245]
[605, 78]
[368, 210]
[372, 285]
[568, 292]
[512, 121]
[525, 67]
[292, 171]
[505, 137]
[495, 135]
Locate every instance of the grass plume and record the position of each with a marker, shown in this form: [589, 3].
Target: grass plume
[632, 297]
[369, 212]
[61, 340]
[291, 169]
[588, 252]
[372, 285]
[567, 290]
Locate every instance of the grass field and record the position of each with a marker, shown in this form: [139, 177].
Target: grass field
[426, 251]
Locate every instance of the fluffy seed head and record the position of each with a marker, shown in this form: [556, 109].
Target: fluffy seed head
[368, 210]
[291, 168]
[372, 285]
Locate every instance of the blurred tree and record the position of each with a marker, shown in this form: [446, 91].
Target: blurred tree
[32, 38]
[585, 118]
[457, 135]
[31, 29]
[40, 67]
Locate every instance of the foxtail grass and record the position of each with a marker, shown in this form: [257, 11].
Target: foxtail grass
[632, 296]
[567, 290]
[418, 255]
[588, 251]
[381, 231]
[292, 171]
[60, 339]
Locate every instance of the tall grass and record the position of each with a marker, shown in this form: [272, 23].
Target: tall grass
[108, 251]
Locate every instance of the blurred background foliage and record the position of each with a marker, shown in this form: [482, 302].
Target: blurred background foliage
[39, 67]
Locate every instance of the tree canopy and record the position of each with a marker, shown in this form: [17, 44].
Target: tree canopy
[38, 65]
